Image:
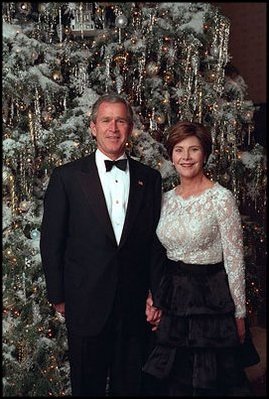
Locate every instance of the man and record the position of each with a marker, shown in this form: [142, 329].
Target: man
[97, 242]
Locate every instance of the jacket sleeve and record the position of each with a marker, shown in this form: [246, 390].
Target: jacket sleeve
[158, 253]
[54, 232]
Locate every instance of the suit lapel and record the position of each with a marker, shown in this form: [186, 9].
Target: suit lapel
[137, 187]
[92, 187]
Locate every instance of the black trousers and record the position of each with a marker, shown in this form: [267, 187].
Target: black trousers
[109, 364]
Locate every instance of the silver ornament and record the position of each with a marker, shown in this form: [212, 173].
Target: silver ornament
[6, 175]
[121, 21]
[35, 234]
[214, 50]
[25, 205]
[152, 69]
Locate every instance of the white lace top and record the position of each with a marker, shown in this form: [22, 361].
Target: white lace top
[206, 229]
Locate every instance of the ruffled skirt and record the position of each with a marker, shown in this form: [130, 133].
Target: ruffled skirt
[197, 340]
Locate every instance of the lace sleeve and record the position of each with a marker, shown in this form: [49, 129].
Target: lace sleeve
[233, 250]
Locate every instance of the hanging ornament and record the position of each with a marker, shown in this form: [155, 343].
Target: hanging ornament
[6, 175]
[210, 75]
[24, 206]
[35, 234]
[160, 118]
[121, 21]
[24, 8]
[34, 55]
[214, 50]
[152, 69]
[60, 27]
[226, 177]
[57, 75]
[121, 58]
[168, 77]
[42, 7]
[119, 83]
[21, 105]
[46, 117]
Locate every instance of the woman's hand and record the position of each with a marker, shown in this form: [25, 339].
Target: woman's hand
[241, 329]
[153, 314]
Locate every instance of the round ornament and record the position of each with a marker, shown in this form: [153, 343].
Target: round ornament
[25, 7]
[121, 21]
[214, 51]
[25, 205]
[42, 7]
[57, 75]
[35, 234]
[152, 69]
[168, 77]
[160, 118]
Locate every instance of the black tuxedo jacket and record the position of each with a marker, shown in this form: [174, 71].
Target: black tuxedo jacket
[83, 265]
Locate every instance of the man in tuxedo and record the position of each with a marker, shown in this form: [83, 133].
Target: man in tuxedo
[101, 257]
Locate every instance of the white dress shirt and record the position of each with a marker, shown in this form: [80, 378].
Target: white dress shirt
[116, 185]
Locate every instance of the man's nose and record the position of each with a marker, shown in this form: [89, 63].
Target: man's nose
[113, 125]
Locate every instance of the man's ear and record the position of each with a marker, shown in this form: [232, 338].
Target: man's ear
[92, 128]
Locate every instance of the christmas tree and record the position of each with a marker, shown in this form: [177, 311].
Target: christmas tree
[172, 62]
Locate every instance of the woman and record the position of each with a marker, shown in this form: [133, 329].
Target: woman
[201, 298]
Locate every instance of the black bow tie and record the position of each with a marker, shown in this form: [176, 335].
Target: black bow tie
[120, 163]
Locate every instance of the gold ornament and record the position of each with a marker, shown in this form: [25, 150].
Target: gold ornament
[160, 118]
[121, 58]
[210, 75]
[21, 105]
[56, 75]
[152, 69]
[168, 77]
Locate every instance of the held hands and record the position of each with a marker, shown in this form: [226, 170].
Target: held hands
[60, 308]
[153, 314]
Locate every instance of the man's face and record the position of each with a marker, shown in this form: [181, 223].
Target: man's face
[111, 129]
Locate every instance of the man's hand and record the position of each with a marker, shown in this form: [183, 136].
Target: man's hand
[153, 314]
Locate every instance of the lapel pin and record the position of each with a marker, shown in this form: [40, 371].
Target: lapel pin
[140, 183]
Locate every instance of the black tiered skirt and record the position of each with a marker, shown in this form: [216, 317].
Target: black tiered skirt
[197, 341]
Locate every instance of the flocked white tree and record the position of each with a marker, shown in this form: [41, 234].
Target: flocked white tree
[171, 61]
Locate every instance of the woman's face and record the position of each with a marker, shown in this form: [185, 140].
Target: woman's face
[188, 157]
